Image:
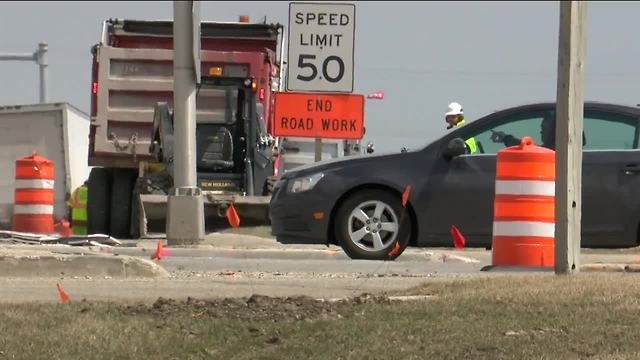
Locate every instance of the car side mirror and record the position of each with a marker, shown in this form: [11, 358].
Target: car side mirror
[455, 147]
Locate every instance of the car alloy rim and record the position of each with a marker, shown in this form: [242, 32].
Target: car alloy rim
[372, 226]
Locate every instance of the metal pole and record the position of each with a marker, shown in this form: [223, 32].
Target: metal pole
[43, 62]
[185, 217]
[282, 84]
[18, 57]
[41, 58]
[569, 116]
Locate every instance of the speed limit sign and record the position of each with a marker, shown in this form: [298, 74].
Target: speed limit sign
[321, 39]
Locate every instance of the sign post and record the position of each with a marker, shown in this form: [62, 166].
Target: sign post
[318, 149]
[320, 59]
[321, 47]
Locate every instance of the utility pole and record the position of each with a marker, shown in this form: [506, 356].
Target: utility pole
[185, 211]
[41, 58]
[43, 62]
[569, 116]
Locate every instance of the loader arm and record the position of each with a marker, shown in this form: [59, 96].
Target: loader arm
[162, 143]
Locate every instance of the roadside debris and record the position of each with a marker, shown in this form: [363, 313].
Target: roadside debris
[100, 240]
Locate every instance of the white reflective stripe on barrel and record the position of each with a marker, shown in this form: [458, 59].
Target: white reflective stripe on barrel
[34, 184]
[523, 228]
[33, 209]
[525, 187]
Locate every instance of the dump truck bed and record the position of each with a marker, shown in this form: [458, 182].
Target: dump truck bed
[133, 70]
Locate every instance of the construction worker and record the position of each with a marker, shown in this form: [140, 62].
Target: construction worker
[455, 118]
[78, 205]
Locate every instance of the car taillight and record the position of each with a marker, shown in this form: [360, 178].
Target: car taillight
[94, 87]
[261, 95]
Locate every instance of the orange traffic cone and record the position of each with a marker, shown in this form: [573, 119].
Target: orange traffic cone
[458, 239]
[159, 251]
[232, 216]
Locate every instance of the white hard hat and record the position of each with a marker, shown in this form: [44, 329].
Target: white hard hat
[454, 109]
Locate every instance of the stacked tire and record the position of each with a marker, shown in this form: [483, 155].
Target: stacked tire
[109, 201]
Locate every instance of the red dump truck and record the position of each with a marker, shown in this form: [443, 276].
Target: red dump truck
[132, 72]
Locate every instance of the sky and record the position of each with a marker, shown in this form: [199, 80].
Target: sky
[485, 55]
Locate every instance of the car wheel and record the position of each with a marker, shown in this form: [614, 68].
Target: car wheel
[370, 223]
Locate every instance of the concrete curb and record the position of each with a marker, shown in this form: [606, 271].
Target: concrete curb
[594, 267]
[512, 268]
[240, 244]
[95, 266]
[289, 254]
[633, 268]
[447, 257]
[610, 268]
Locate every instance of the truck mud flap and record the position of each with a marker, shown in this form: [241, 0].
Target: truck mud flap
[153, 210]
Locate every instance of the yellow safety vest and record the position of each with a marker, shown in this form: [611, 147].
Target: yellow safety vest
[78, 204]
[471, 142]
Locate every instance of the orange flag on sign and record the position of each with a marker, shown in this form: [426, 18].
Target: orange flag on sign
[458, 239]
[405, 195]
[232, 216]
[63, 295]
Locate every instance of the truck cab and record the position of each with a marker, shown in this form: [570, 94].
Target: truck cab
[233, 150]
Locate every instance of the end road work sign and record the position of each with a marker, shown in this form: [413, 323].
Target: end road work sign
[330, 116]
[321, 40]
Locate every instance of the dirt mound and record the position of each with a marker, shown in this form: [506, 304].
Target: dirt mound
[256, 308]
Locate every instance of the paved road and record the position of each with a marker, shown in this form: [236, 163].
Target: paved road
[236, 266]
[220, 272]
[414, 262]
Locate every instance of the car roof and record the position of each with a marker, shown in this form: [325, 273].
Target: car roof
[593, 105]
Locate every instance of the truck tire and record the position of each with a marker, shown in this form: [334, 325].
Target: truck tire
[98, 201]
[138, 188]
[121, 191]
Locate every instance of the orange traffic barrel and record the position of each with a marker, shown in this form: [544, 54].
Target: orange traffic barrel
[34, 195]
[524, 206]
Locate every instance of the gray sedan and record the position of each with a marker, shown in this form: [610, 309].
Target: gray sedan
[357, 202]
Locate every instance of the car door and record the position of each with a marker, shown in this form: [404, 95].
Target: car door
[460, 191]
[611, 179]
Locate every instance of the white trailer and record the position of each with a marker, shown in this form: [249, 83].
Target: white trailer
[56, 131]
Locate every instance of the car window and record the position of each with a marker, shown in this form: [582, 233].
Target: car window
[508, 131]
[608, 131]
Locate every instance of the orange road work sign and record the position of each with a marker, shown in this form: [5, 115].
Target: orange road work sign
[324, 116]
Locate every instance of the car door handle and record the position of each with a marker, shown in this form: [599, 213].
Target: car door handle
[629, 169]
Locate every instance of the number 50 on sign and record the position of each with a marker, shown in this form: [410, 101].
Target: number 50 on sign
[321, 47]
